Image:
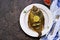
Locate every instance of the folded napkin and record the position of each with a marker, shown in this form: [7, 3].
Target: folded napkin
[55, 9]
[55, 34]
[55, 5]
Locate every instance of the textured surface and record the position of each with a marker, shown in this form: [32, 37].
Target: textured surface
[9, 19]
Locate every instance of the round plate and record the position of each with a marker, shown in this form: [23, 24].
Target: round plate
[24, 20]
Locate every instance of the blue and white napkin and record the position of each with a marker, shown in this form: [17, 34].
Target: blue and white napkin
[55, 9]
[55, 5]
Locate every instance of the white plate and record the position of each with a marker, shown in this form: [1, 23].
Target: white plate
[24, 20]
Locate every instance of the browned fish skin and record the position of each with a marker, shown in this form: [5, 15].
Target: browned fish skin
[38, 24]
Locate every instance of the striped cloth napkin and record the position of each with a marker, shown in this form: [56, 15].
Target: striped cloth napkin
[55, 9]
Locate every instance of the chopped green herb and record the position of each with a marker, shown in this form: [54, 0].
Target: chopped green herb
[24, 11]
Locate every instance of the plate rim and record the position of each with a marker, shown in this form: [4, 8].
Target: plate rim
[22, 12]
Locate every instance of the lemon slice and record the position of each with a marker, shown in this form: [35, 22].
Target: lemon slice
[36, 18]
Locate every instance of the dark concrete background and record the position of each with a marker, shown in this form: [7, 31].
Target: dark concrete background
[9, 19]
